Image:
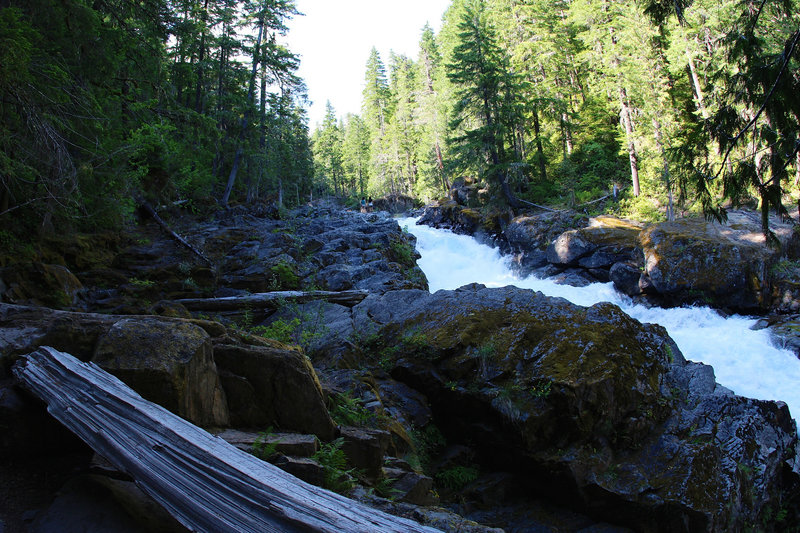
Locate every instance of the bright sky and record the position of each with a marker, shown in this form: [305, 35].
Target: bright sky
[334, 39]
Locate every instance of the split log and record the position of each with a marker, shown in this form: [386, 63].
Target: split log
[263, 300]
[204, 482]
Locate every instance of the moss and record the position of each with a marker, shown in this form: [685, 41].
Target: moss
[552, 368]
[284, 276]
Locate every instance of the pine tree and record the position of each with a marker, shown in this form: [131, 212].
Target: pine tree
[328, 156]
[486, 110]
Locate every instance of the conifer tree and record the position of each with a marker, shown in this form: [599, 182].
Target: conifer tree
[486, 108]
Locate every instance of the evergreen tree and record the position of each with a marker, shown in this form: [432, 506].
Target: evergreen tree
[356, 155]
[757, 117]
[431, 118]
[328, 156]
[486, 109]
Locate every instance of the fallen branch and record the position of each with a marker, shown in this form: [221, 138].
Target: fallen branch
[183, 242]
[264, 300]
[204, 482]
[540, 206]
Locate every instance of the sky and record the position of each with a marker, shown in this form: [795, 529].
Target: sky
[334, 38]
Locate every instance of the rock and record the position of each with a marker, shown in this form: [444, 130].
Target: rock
[590, 406]
[692, 260]
[365, 449]
[784, 330]
[395, 203]
[626, 278]
[568, 248]
[168, 363]
[40, 284]
[527, 234]
[97, 503]
[28, 428]
[305, 468]
[410, 487]
[293, 444]
[273, 386]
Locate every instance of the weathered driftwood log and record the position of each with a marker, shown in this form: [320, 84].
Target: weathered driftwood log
[204, 482]
[263, 300]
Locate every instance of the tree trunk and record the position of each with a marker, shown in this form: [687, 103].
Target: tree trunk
[539, 148]
[697, 90]
[566, 133]
[201, 480]
[250, 91]
[665, 169]
[198, 95]
[272, 300]
[627, 123]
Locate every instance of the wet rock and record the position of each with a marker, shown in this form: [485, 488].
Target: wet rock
[590, 406]
[170, 364]
[626, 278]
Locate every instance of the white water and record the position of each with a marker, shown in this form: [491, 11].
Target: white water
[744, 360]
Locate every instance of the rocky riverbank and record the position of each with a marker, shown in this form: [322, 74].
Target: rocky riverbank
[499, 407]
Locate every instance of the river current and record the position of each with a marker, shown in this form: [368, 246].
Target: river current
[744, 360]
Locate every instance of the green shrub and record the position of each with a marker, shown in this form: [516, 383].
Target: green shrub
[348, 411]
[334, 461]
[457, 477]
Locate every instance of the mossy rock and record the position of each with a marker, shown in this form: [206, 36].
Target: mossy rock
[40, 284]
[692, 261]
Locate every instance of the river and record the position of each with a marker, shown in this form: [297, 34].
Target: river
[744, 360]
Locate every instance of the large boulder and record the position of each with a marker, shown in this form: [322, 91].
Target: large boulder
[39, 284]
[169, 363]
[691, 261]
[589, 406]
[271, 385]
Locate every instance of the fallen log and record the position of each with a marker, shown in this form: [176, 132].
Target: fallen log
[263, 300]
[204, 482]
[169, 231]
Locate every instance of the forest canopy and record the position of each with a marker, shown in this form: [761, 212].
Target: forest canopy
[111, 102]
[680, 105]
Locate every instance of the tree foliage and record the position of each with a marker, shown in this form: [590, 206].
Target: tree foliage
[109, 101]
[683, 105]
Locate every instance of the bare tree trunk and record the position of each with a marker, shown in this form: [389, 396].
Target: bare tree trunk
[627, 123]
[665, 170]
[251, 89]
[539, 148]
[198, 95]
[695, 79]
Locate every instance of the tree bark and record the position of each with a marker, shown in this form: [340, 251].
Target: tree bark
[183, 242]
[272, 300]
[539, 148]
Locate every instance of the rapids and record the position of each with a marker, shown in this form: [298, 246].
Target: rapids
[744, 360]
